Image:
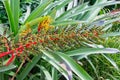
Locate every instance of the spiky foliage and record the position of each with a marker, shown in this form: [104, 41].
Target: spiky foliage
[72, 34]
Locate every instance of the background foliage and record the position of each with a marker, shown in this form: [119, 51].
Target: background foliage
[87, 61]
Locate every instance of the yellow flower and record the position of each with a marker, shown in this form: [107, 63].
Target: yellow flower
[26, 30]
[45, 24]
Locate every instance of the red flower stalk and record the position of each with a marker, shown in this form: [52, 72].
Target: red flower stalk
[10, 60]
[6, 53]
[19, 50]
[34, 43]
[28, 45]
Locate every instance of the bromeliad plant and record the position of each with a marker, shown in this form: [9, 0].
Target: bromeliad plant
[55, 34]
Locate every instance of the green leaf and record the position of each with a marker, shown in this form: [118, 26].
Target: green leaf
[111, 76]
[28, 67]
[54, 74]
[38, 11]
[46, 72]
[6, 68]
[91, 14]
[64, 2]
[56, 64]
[77, 69]
[56, 5]
[111, 21]
[35, 76]
[67, 22]
[82, 10]
[111, 34]
[10, 17]
[10, 73]
[92, 65]
[1, 76]
[95, 6]
[52, 13]
[56, 61]
[88, 51]
[111, 61]
[69, 12]
[15, 8]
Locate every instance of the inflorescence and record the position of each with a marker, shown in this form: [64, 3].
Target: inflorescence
[47, 37]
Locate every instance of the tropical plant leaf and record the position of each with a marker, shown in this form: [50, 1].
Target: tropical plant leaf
[111, 61]
[77, 69]
[39, 10]
[46, 72]
[59, 62]
[6, 68]
[28, 67]
[13, 28]
[57, 66]
[15, 8]
[112, 34]
[88, 51]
